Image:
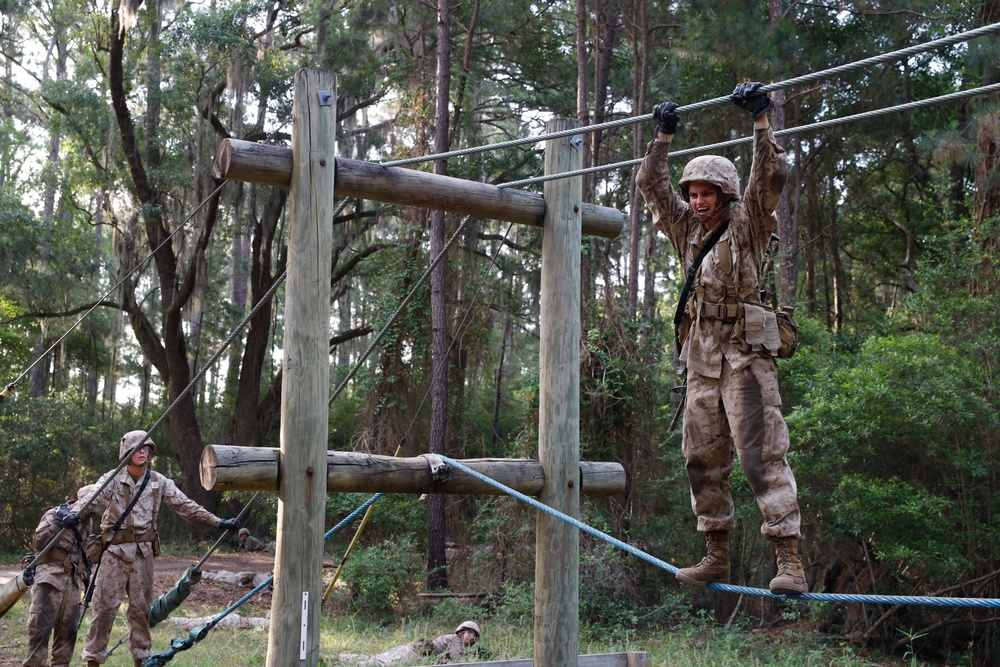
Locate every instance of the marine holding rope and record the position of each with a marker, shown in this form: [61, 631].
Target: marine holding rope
[733, 405]
[55, 596]
[126, 567]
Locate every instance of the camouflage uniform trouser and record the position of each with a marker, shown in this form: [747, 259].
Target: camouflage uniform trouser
[739, 413]
[54, 611]
[117, 580]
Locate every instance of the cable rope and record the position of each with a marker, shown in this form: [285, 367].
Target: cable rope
[833, 122]
[10, 387]
[778, 85]
[742, 590]
[399, 448]
[200, 632]
[172, 599]
[399, 310]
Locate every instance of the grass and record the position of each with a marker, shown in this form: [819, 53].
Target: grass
[700, 643]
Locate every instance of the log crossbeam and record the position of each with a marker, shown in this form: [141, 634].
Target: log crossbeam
[233, 468]
[265, 164]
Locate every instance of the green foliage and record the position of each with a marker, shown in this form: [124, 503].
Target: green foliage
[907, 526]
[50, 448]
[382, 578]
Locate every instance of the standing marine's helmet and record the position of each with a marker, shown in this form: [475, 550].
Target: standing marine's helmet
[469, 625]
[713, 169]
[133, 438]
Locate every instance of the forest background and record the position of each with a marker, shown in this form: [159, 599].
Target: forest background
[889, 249]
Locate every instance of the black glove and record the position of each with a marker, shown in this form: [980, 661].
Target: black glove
[667, 117]
[229, 524]
[746, 96]
[66, 518]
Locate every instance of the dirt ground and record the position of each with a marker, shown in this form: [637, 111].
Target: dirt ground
[207, 598]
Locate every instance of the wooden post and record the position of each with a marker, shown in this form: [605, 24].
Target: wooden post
[557, 560]
[298, 565]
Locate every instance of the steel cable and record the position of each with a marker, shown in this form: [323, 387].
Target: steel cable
[833, 122]
[779, 85]
[743, 590]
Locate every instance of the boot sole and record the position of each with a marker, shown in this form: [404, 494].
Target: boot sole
[789, 590]
[699, 583]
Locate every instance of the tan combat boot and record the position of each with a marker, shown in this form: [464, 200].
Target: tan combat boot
[791, 578]
[714, 567]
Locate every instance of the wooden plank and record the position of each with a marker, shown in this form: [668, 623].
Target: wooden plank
[293, 637]
[231, 468]
[251, 162]
[557, 554]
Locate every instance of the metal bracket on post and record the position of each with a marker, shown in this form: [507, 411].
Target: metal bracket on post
[576, 141]
[325, 98]
[440, 471]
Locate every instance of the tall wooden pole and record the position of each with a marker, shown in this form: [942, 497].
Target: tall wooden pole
[557, 560]
[298, 565]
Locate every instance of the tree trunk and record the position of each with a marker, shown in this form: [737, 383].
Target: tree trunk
[169, 356]
[640, 87]
[437, 572]
[787, 230]
[248, 425]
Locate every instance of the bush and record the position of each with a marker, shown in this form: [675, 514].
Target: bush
[383, 577]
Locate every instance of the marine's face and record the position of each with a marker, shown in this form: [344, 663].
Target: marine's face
[141, 456]
[468, 637]
[703, 198]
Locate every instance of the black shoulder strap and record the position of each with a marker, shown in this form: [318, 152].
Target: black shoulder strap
[692, 271]
[89, 594]
[128, 510]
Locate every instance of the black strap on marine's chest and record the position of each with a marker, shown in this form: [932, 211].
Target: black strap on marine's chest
[89, 594]
[691, 272]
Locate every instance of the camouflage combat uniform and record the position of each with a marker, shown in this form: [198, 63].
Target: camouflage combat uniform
[127, 566]
[55, 595]
[733, 405]
[251, 543]
[448, 648]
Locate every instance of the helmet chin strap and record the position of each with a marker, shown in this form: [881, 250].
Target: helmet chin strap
[716, 215]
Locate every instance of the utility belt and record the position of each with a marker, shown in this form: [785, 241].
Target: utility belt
[58, 555]
[727, 312]
[762, 328]
[126, 536]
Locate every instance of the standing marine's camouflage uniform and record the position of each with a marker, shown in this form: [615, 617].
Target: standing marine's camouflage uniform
[126, 568]
[733, 406]
[55, 596]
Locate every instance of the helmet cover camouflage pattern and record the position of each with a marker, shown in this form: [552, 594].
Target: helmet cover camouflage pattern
[133, 438]
[713, 169]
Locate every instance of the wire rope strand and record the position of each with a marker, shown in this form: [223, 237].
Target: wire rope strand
[399, 310]
[833, 122]
[743, 590]
[200, 632]
[10, 387]
[778, 85]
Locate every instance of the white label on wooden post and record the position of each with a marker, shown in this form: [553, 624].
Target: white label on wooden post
[304, 634]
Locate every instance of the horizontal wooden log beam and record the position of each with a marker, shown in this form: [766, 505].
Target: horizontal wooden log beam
[251, 162]
[232, 468]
